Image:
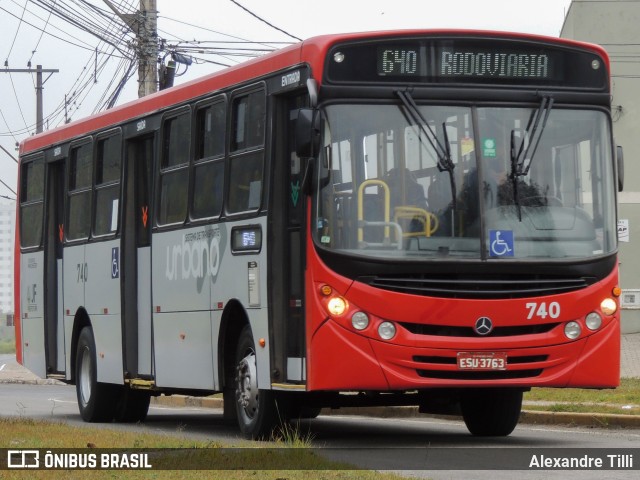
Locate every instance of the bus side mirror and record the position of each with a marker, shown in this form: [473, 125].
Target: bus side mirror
[620, 160]
[307, 133]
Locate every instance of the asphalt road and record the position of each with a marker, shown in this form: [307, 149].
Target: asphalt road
[408, 446]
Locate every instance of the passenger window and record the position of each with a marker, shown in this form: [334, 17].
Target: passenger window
[246, 161]
[31, 202]
[211, 123]
[80, 175]
[108, 171]
[248, 121]
[208, 184]
[174, 172]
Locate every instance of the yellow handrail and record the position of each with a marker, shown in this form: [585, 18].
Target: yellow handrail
[428, 219]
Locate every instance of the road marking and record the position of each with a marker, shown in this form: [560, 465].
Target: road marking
[2, 366]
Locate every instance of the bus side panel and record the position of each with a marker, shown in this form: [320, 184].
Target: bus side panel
[107, 331]
[63, 364]
[183, 352]
[242, 276]
[73, 296]
[73, 278]
[102, 294]
[144, 312]
[102, 284]
[182, 342]
[31, 300]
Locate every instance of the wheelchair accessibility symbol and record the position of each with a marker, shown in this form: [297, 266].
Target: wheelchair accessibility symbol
[501, 243]
[115, 262]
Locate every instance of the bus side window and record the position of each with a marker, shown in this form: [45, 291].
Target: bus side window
[247, 152]
[31, 203]
[208, 183]
[80, 179]
[174, 171]
[108, 161]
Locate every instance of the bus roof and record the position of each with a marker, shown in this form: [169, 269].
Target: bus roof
[311, 51]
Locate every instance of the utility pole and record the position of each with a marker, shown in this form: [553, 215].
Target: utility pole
[144, 24]
[39, 87]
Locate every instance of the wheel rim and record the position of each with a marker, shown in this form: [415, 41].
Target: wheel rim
[85, 376]
[247, 386]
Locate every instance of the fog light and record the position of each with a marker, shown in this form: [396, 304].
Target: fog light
[609, 306]
[572, 330]
[386, 330]
[360, 320]
[593, 321]
[337, 306]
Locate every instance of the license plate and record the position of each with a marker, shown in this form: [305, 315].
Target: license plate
[482, 361]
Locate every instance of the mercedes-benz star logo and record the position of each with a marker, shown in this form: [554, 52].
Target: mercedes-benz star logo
[483, 326]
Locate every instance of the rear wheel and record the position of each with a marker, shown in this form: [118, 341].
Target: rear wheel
[96, 400]
[255, 409]
[491, 412]
[132, 406]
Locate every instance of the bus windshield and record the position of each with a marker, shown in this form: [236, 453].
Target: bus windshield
[431, 181]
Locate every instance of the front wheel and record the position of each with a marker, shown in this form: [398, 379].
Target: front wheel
[255, 409]
[96, 400]
[491, 412]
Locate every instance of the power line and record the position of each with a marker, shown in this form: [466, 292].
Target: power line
[85, 47]
[16, 34]
[264, 21]
[17, 98]
[35, 49]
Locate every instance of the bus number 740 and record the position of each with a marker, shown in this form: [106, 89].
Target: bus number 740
[541, 310]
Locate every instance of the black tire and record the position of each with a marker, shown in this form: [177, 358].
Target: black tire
[133, 405]
[255, 409]
[491, 412]
[96, 401]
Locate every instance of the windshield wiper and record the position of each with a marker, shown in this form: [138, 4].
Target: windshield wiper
[444, 163]
[522, 159]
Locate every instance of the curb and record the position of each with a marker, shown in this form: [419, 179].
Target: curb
[529, 417]
[39, 381]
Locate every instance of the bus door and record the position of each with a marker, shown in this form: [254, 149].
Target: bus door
[286, 249]
[135, 262]
[53, 302]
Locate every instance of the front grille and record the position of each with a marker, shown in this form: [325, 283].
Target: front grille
[478, 286]
[453, 360]
[453, 331]
[479, 375]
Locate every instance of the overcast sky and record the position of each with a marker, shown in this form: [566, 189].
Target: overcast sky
[302, 19]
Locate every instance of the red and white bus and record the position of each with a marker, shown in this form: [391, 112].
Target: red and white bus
[390, 218]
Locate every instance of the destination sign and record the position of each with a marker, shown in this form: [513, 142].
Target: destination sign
[494, 64]
[454, 63]
[467, 60]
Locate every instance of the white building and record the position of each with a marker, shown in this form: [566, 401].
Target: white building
[7, 230]
[614, 25]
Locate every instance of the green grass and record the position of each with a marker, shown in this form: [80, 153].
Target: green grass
[7, 346]
[19, 433]
[627, 395]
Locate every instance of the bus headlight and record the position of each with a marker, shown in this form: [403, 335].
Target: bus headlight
[360, 320]
[337, 306]
[386, 330]
[609, 306]
[593, 321]
[572, 330]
